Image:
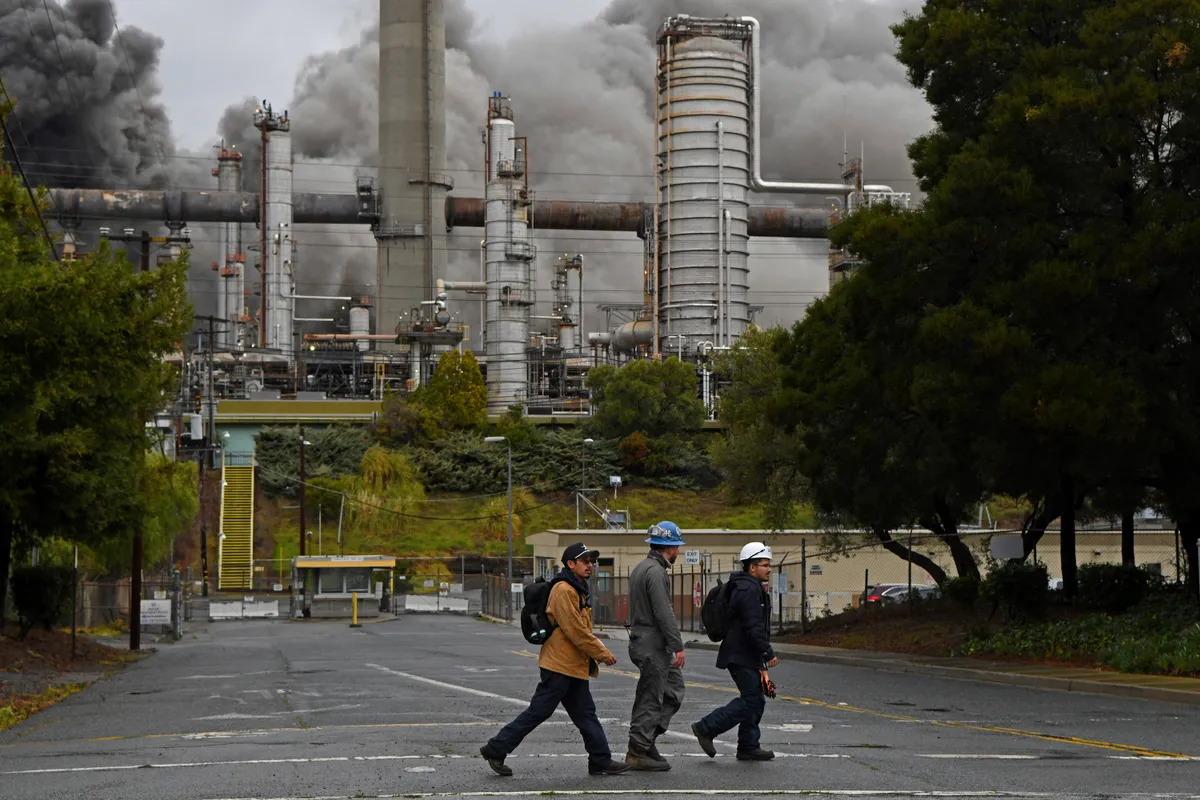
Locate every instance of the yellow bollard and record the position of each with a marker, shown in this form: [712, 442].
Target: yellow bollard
[354, 610]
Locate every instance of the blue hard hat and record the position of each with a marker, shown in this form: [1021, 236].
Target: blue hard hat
[666, 534]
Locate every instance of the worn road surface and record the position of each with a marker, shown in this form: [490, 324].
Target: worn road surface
[308, 709]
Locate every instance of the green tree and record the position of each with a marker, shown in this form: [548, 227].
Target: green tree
[655, 397]
[759, 458]
[1052, 270]
[81, 371]
[456, 393]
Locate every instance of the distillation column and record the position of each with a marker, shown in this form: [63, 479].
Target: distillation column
[230, 284]
[275, 231]
[508, 256]
[703, 169]
[411, 233]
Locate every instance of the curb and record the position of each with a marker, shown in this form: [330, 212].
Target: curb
[988, 676]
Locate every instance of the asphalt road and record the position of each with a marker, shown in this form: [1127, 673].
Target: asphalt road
[316, 709]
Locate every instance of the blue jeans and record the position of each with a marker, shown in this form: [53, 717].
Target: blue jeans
[576, 697]
[745, 711]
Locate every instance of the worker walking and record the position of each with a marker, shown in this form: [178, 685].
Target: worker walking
[746, 652]
[655, 647]
[567, 661]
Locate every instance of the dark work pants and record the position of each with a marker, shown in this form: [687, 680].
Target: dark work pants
[576, 697]
[745, 711]
[659, 692]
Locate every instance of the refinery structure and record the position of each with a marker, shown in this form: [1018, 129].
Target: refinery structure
[694, 276]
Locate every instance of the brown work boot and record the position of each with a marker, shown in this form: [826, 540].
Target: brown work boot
[642, 761]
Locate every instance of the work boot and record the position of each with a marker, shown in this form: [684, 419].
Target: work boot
[608, 768]
[641, 761]
[652, 751]
[495, 761]
[754, 754]
[706, 742]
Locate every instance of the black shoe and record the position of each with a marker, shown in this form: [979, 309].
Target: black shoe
[495, 761]
[652, 751]
[755, 754]
[609, 768]
[706, 742]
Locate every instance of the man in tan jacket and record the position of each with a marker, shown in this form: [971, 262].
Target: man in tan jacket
[567, 661]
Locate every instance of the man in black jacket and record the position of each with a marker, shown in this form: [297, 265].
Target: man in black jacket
[745, 651]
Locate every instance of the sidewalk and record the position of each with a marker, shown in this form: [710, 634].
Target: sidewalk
[1070, 679]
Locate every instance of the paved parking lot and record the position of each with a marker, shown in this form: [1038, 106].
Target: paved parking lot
[278, 709]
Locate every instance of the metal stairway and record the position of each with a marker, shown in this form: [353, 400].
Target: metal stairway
[235, 554]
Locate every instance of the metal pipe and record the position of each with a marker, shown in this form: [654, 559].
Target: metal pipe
[349, 337]
[756, 180]
[315, 297]
[724, 246]
[312, 319]
[722, 298]
[629, 336]
[787, 222]
[194, 206]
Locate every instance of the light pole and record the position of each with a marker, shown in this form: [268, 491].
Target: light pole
[508, 578]
[220, 558]
[303, 477]
[582, 480]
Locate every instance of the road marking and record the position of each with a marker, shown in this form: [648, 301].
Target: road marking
[503, 698]
[225, 677]
[275, 714]
[997, 756]
[1046, 737]
[566, 793]
[345, 759]
[792, 727]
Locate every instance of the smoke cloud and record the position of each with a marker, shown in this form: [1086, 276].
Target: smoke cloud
[583, 94]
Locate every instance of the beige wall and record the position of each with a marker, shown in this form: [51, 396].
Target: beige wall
[837, 576]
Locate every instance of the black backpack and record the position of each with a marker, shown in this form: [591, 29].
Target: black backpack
[536, 626]
[714, 613]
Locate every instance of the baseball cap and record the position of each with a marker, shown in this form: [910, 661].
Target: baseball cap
[577, 551]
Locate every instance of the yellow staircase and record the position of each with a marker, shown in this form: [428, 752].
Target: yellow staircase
[235, 560]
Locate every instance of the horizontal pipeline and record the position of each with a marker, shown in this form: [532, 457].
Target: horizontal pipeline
[348, 209]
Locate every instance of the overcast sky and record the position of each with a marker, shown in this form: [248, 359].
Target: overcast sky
[218, 51]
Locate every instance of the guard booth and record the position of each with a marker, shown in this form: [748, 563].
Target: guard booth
[323, 586]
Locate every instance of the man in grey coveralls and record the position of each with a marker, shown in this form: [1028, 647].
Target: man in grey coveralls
[656, 647]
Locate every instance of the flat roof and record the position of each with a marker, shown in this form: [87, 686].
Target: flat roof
[343, 562]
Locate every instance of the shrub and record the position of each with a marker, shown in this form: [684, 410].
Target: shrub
[1115, 588]
[963, 591]
[41, 595]
[1022, 590]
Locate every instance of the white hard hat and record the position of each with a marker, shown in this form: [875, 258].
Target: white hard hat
[755, 550]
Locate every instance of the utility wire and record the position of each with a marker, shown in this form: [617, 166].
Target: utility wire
[12, 148]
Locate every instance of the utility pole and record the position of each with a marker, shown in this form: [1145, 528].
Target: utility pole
[145, 253]
[302, 479]
[207, 459]
[135, 593]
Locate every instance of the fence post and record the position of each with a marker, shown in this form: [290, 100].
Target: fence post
[866, 585]
[803, 586]
[910, 555]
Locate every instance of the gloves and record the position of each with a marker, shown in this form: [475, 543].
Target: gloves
[768, 685]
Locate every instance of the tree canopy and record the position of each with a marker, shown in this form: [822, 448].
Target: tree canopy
[81, 371]
[654, 397]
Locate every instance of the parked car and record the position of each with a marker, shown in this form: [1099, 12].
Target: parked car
[874, 594]
[899, 594]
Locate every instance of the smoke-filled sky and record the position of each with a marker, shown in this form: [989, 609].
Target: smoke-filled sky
[144, 106]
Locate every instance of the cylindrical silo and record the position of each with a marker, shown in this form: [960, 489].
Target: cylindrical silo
[411, 234]
[703, 166]
[508, 255]
[360, 324]
[229, 282]
[276, 237]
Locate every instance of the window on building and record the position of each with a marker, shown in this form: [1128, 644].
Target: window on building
[358, 580]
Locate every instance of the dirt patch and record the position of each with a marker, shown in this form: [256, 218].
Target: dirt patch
[40, 671]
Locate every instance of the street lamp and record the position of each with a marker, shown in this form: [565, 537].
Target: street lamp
[220, 558]
[582, 480]
[508, 579]
[303, 478]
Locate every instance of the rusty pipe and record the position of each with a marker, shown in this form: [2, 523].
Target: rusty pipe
[779, 221]
[348, 337]
[194, 206]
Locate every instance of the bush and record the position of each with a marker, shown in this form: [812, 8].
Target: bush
[1022, 590]
[962, 591]
[1114, 588]
[41, 595]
